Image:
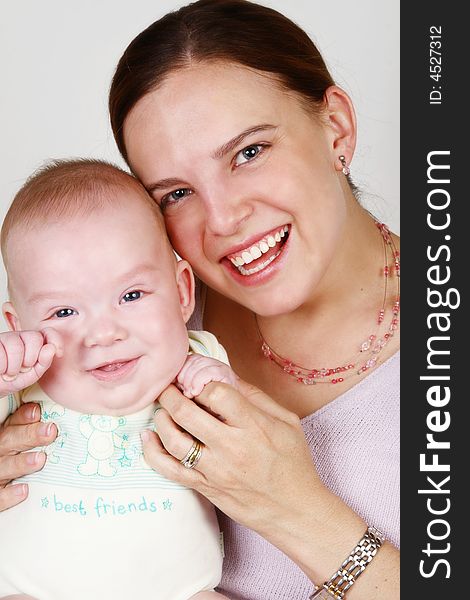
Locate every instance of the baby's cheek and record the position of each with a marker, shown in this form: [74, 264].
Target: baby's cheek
[181, 348]
[169, 351]
[71, 337]
[72, 359]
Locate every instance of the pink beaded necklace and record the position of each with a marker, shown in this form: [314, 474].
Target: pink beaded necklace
[369, 349]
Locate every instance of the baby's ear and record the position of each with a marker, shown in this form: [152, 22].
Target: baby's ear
[11, 316]
[185, 284]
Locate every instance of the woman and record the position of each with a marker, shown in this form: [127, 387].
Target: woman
[227, 113]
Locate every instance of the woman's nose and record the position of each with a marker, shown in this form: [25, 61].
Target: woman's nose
[225, 211]
[104, 331]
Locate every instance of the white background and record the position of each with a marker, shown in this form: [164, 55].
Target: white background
[58, 58]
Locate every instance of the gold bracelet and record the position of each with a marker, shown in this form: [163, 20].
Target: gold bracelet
[352, 567]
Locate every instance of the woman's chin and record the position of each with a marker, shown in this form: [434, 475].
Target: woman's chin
[273, 303]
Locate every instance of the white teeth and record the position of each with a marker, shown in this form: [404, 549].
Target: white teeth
[260, 248]
[263, 247]
[247, 258]
[259, 267]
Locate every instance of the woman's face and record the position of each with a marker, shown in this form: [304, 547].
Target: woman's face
[246, 180]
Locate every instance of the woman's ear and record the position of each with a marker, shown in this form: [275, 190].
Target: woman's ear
[11, 316]
[186, 286]
[342, 122]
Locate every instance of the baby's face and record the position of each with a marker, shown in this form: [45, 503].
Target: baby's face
[110, 286]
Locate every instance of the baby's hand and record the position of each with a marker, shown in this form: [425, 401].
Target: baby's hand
[25, 356]
[200, 370]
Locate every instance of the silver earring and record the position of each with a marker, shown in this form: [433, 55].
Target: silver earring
[345, 168]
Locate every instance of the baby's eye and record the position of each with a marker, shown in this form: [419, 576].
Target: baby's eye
[248, 154]
[174, 197]
[65, 312]
[131, 296]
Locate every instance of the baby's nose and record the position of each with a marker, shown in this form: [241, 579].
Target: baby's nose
[104, 332]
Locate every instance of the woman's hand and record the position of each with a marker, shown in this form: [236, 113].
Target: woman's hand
[255, 464]
[21, 431]
[257, 468]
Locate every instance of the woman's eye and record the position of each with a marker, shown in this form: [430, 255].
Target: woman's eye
[131, 296]
[174, 197]
[65, 312]
[247, 154]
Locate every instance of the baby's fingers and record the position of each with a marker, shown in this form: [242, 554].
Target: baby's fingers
[12, 355]
[3, 359]
[33, 341]
[221, 373]
[52, 336]
[196, 364]
[30, 375]
[185, 372]
[45, 358]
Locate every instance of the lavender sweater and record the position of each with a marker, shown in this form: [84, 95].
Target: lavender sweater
[354, 442]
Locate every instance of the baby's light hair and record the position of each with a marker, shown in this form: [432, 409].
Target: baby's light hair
[63, 189]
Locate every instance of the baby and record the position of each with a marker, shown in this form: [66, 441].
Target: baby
[97, 312]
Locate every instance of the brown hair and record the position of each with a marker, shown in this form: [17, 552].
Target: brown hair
[236, 31]
[68, 188]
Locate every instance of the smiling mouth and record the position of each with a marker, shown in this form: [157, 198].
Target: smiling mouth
[259, 255]
[113, 370]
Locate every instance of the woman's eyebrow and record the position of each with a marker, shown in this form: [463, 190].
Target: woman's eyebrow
[233, 143]
[219, 153]
[163, 184]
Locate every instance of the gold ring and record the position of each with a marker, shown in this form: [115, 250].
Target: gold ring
[193, 455]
